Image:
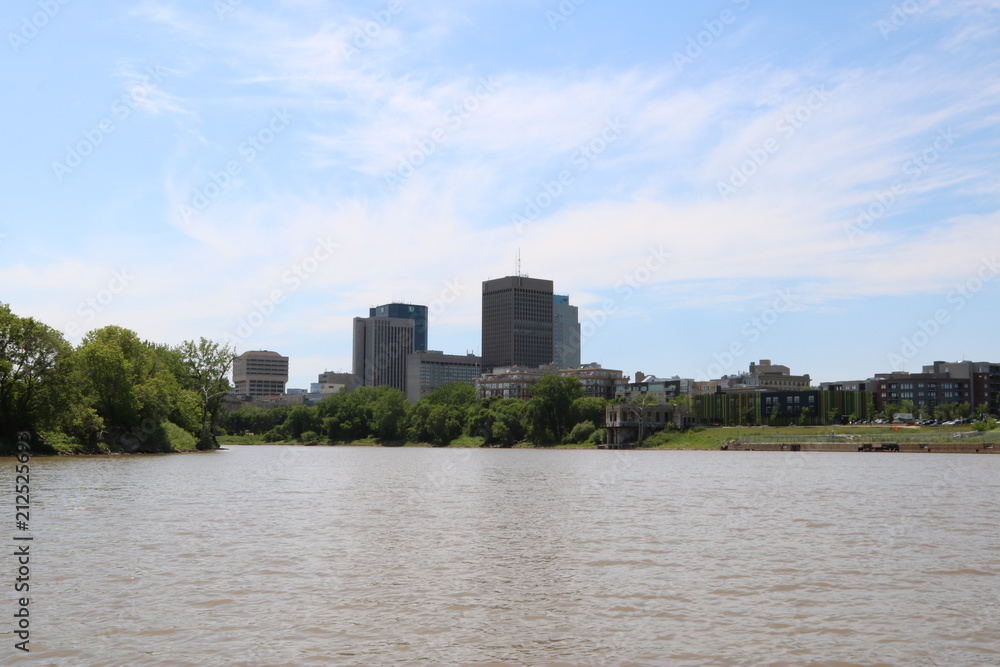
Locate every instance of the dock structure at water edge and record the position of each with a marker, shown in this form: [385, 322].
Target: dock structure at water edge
[959, 443]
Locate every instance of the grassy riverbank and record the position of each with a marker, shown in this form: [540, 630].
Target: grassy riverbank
[694, 439]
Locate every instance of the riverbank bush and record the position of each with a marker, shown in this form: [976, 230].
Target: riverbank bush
[114, 392]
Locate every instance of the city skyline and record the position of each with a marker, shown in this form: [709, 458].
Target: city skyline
[711, 185]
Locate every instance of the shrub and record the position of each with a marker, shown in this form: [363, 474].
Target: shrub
[309, 438]
[580, 433]
[987, 425]
[274, 435]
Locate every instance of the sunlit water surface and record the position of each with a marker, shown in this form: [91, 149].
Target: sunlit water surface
[277, 555]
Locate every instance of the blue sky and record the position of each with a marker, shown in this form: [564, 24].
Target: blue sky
[712, 183]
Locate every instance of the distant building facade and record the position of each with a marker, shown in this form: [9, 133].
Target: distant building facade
[565, 333]
[764, 376]
[517, 322]
[627, 423]
[427, 370]
[704, 387]
[406, 311]
[849, 385]
[511, 382]
[781, 408]
[983, 377]
[597, 382]
[328, 383]
[381, 345]
[924, 390]
[260, 373]
[649, 387]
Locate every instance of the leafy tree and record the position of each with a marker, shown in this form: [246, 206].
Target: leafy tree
[207, 364]
[549, 407]
[133, 387]
[580, 433]
[388, 414]
[442, 415]
[500, 421]
[987, 425]
[774, 415]
[588, 408]
[681, 401]
[114, 363]
[301, 418]
[33, 375]
[254, 420]
[453, 393]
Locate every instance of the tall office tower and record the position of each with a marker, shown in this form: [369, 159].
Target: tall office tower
[517, 322]
[406, 311]
[380, 348]
[260, 373]
[565, 333]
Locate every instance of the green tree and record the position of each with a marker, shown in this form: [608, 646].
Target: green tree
[133, 387]
[549, 407]
[498, 421]
[683, 401]
[207, 364]
[388, 414]
[775, 415]
[34, 378]
[113, 363]
[453, 393]
[301, 418]
[588, 408]
[580, 433]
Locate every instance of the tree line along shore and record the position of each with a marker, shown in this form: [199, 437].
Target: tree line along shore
[116, 393]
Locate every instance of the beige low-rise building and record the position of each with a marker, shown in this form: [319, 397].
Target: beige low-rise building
[260, 373]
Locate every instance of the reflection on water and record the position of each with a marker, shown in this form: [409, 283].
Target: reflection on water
[289, 556]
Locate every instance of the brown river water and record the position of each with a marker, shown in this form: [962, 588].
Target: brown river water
[276, 555]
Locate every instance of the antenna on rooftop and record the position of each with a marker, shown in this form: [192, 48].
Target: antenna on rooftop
[517, 265]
